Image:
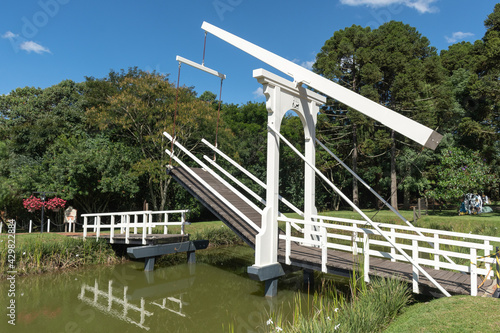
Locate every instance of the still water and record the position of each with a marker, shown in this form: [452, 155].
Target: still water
[123, 298]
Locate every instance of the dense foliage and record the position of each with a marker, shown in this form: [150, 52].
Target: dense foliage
[98, 144]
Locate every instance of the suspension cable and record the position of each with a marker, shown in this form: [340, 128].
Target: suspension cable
[218, 114]
[204, 46]
[175, 113]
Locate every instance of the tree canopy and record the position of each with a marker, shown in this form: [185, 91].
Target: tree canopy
[99, 143]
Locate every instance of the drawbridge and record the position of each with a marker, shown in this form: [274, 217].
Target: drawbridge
[446, 262]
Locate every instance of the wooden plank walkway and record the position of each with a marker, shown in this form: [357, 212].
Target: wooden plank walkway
[339, 262]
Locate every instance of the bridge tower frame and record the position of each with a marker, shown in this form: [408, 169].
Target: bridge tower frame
[281, 97]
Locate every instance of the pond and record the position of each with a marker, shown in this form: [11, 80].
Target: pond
[123, 298]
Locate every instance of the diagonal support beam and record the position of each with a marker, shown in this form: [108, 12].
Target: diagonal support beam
[401, 124]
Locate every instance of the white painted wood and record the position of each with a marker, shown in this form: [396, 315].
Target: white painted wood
[366, 257]
[382, 233]
[416, 289]
[473, 272]
[401, 124]
[200, 67]
[204, 166]
[324, 249]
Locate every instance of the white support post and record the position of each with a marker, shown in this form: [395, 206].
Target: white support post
[436, 252]
[150, 221]
[324, 249]
[84, 227]
[415, 270]
[1, 225]
[127, 229]
[393, 250]
[354, 243]
[31, 226]
[97, 223]
[144, 228]
[112, 230]
[48, 225]
[135, 224]
[183, 220]
[288, 246]
[165, 227]
[366, 257]
[473, 272]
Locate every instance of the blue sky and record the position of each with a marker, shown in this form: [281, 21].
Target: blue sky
[46, 41]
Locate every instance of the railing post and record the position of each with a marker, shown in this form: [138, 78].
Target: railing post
[415, 270]
[144, 228]
[393, 250]
[48, 225]
[127, 229]
[183, 220]
[84, 227]
[165, 227]
[487, 253]
[97, 223]
[473, 272]
[150, 221]
[436, 252]
[135, 224]
[324, 249]
[288, 243]
[497, 257]
[31, 225]
[366, 256]
[112, 230]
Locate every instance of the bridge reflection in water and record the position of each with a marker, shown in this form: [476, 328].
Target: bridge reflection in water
[184, 298]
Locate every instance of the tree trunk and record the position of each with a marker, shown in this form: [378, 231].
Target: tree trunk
[407, 193]
[394, 180]
[355, 192]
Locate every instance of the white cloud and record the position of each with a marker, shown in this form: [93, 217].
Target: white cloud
[422, 6]
[9, 35]
[459, 35]
[258, 93]
[31, 46]
[305, 64]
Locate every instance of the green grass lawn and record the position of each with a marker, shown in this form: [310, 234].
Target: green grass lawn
[450, 314]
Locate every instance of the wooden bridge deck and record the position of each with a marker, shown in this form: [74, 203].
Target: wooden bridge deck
[339, 262]
[136, 239]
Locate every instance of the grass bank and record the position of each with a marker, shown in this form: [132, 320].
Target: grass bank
[450, 314]
[39, 253]
[366, 308]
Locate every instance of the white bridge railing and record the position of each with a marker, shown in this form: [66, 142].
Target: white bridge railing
[470, 251]
[418, 246]
[125, 221]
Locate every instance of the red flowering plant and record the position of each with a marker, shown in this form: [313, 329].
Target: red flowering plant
[32, 203]
[55, 204]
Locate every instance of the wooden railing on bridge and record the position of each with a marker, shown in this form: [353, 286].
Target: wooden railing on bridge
[436, 249]
[125, 221]
[471, 253]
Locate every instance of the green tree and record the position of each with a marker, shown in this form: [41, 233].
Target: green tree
[395, 66]
[461, 171]
[137, 108]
